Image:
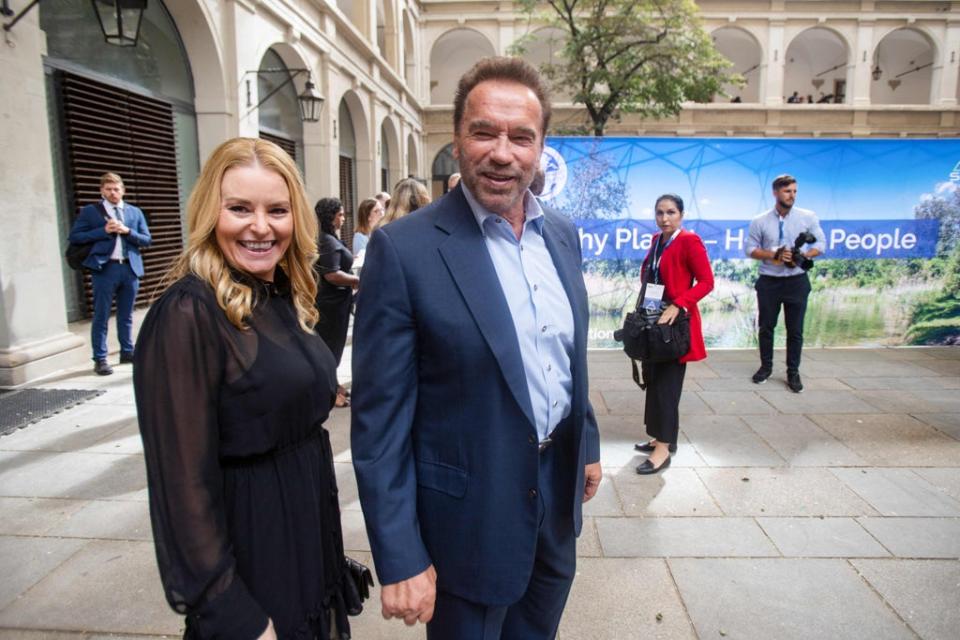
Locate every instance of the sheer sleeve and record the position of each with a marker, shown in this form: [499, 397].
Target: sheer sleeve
[177, 372]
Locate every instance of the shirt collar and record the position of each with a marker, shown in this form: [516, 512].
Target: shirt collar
[533, 212]
[109, 206]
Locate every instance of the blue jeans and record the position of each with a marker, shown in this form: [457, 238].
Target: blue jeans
[118, 280]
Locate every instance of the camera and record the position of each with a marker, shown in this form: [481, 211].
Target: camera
[800, 260]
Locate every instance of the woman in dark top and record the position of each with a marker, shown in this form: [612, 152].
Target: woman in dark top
[678, 263]
[335, 292]
[232, 388]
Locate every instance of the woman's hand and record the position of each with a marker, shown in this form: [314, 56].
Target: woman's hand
[270, 633]
[669, 315]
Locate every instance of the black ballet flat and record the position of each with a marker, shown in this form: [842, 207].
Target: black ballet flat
[646, 447]
[646, 467]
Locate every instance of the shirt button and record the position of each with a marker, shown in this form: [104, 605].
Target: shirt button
[499, 220]
[549, 367]
[543, 329]
[554, 403]
[532, 439]
[535, 287]
[532, 493]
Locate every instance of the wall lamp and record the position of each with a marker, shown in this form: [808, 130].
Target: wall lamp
[119, 19]
[311, 102]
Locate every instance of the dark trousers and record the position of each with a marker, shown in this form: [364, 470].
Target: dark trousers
[661, 412]
[790, 292]
[536, 615]
[116, 279]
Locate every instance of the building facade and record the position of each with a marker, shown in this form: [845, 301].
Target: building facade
[203, 71]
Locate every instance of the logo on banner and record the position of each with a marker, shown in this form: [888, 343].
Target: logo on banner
[554, 172]
[954, 175]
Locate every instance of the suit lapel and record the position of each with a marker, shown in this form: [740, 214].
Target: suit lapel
[466, 256]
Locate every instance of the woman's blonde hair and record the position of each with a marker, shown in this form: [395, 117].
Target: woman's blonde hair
[408, 196]
[203, 257]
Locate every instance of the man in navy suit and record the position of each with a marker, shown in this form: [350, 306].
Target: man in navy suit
[118, 230]
[473, 440]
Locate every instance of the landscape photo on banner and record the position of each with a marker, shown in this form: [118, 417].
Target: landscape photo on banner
[889, 208]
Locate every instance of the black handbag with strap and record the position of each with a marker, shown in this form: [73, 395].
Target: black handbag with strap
[77, 253]
[646, 340]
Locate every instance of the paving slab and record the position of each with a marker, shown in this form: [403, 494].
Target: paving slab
[107, 520]
[784, 491]
[72, 597]
[45, 555]
[886, 368]
[901, 382]
[913, 401]
[683, 537]
[816, 401]
[621, 598]
[726, 441]
[34, 516]
[946, 480]
[948, 423]
[632, 402]
[923, 592]
[347, 486]
[354, 531]
[916, 537]
[588, 542]
[126, 440]
[782, 598]
[822, 538]
[606, 502]
[618, 434]
[801, 442]
[78, 474]
[891, 440]
[899, 492]
[675, 492]
[948, 366]
[72, 430]
[737, 403]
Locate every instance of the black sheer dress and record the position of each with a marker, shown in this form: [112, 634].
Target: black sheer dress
[243, 496]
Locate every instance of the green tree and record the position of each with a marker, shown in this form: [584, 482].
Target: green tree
[946, 209]
[630, 56]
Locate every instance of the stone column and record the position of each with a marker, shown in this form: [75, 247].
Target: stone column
[34, 341]
[950, 63]
[862, 64]
[774, 67]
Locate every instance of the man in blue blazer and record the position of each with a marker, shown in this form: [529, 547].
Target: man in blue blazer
[473, 440]
[118, 230]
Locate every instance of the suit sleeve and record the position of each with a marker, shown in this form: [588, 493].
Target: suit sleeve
[384, 405]
[88, 227]
[695, 255]
[139, 233]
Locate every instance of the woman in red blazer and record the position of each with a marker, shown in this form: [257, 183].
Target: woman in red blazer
[678, 261]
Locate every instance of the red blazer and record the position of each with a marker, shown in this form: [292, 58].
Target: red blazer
[684, 261]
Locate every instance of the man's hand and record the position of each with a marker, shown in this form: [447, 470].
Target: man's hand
[592, 474]
[115, 226]
[787, 256]
[411, 599]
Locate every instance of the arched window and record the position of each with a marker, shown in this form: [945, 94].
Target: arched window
[452, 55]
[444, 166]
[902, 69]
[742, 49]
[816, 66]
[279, 116]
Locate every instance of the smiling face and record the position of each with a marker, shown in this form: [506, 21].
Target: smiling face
[668, 216]
[499, 143]
[255, 226]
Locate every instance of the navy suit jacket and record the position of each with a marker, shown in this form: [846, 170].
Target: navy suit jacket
[443, 437]
[89, 227]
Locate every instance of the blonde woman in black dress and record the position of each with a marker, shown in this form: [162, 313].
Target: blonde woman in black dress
[232, 388]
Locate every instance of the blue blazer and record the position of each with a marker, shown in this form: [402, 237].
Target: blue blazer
[89, 225]
[443, 437]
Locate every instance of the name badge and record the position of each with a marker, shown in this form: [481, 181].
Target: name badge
[653, 298]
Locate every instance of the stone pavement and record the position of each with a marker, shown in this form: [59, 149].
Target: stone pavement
[831, 514]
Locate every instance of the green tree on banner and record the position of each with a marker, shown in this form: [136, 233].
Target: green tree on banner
[630, 56]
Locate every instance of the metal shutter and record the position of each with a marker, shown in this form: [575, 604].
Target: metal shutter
[111, 129]
[286, 144]
[346, 197]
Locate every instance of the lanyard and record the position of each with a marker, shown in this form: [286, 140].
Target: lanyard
[655, 267]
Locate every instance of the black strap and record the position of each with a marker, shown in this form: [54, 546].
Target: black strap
[643, 282]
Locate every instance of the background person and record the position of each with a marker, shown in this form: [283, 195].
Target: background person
[676, 260]
[408, 196]
[368, 215]
[453, 181]
[335, 292]
[473, 439]
[770, 240]
[384, 199]
[115, 265]
[232, 388]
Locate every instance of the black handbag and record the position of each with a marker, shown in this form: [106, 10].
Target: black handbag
[77, 253]
[645, 340]
[358, 581]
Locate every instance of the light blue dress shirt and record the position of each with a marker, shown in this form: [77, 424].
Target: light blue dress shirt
[768, 231]
[538, 305]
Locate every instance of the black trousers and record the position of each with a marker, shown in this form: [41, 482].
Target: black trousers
[791, 292]
[661, 413]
